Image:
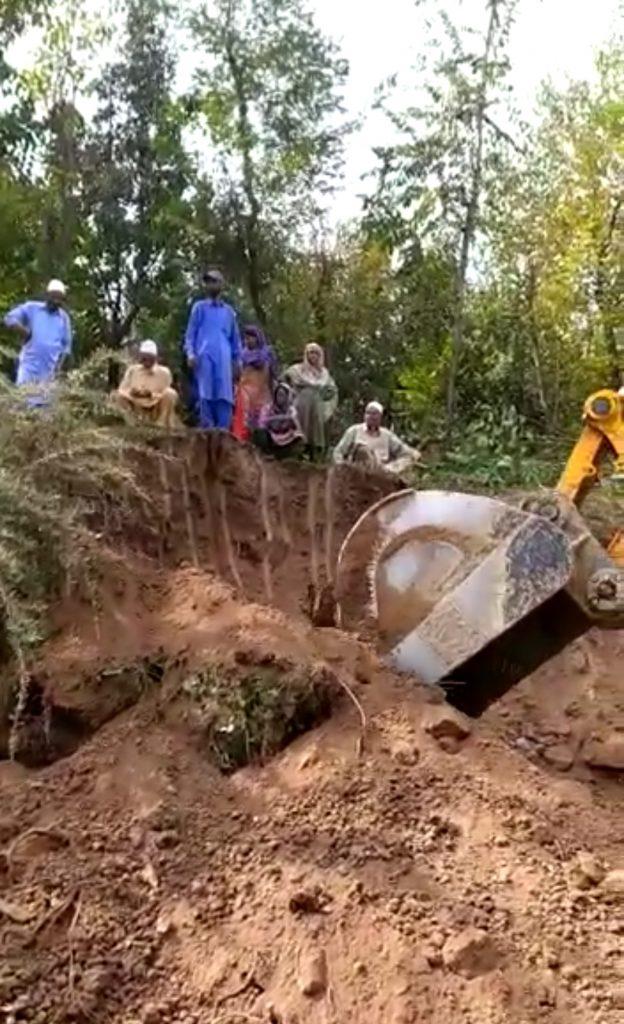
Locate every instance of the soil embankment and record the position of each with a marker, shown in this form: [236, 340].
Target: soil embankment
[394, 863]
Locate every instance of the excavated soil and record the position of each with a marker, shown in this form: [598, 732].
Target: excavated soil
[393, 863]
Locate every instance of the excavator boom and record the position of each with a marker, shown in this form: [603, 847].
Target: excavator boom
[602, 436]
[474, 594]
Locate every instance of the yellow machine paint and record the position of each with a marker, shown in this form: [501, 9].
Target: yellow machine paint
[602, 437]
[474, 593]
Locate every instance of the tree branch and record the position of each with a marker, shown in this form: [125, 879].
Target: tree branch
[503, 134]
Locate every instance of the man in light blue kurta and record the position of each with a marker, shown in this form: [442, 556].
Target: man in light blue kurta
[46, 330]
[212, 346]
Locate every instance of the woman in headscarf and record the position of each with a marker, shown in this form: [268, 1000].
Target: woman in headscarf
[279, 433]
[316, 396]
[258, 373]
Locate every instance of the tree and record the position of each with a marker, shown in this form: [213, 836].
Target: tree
[557, 244]
[134, 174]
[70, 42]
[382, 328]
[16, 108]
[20, 195]
[439, 174]
[270, 97]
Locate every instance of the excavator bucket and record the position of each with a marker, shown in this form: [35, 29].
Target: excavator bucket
[472, 593]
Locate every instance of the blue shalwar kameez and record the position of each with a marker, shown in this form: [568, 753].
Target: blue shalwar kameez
[50, 341]
[213, 341]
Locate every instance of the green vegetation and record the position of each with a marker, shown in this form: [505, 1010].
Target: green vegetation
[478, 294]
[62, 470]
[249, 715]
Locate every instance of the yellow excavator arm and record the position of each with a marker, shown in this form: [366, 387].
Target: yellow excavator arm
[473, 593]
[602, 436]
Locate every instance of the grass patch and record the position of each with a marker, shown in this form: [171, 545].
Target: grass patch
[251, 716]
[66, 470]
[58, 465]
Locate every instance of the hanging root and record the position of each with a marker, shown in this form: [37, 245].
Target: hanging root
[244, 985]
[188, 513]
[313, 486]
[361, 713]
[164, 482]
[227, 538]
[234, 1017]
[70, 942]
[329, 523]
[268, 530]
[23, 688]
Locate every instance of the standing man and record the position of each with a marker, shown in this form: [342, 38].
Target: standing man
[212, 346]
[45, 329]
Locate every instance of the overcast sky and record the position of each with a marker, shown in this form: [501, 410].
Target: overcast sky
[551, 38]
[554, 39]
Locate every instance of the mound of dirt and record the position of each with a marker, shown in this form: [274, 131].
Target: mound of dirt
[393, 862]
[364, 874]
[212, 516]
[569, 716]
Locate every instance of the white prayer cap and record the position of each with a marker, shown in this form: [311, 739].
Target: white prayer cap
[375, 407]
[56, 287]
[148, 348]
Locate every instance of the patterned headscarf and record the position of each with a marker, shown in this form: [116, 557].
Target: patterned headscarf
[262, 354]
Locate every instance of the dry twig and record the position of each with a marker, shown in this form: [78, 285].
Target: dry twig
[70, 940]
[52, 916]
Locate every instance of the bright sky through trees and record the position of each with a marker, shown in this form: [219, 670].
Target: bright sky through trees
[551, 39]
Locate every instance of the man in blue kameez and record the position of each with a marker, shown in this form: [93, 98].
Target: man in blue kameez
[212, 346]
[45, 329]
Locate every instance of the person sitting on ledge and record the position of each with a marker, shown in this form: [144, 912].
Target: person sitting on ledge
[370, 445]
[279, 433]
[146, 389]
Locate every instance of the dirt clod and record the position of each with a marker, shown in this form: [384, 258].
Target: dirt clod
[151, 1014]
[313, 973]
[470, 953]
[605, 751]
[614, 883]
[560, 756]
[585, 871]
[444, 723]
[309, 901]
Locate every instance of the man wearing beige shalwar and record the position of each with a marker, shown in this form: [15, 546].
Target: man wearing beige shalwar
[146, 389]
[370, 445]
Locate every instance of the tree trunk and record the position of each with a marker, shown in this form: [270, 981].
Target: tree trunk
[251, 219]
[60, 215]
[319, 299]
[470, 221]
[536, 353]
[602, 295]
[459, 318]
